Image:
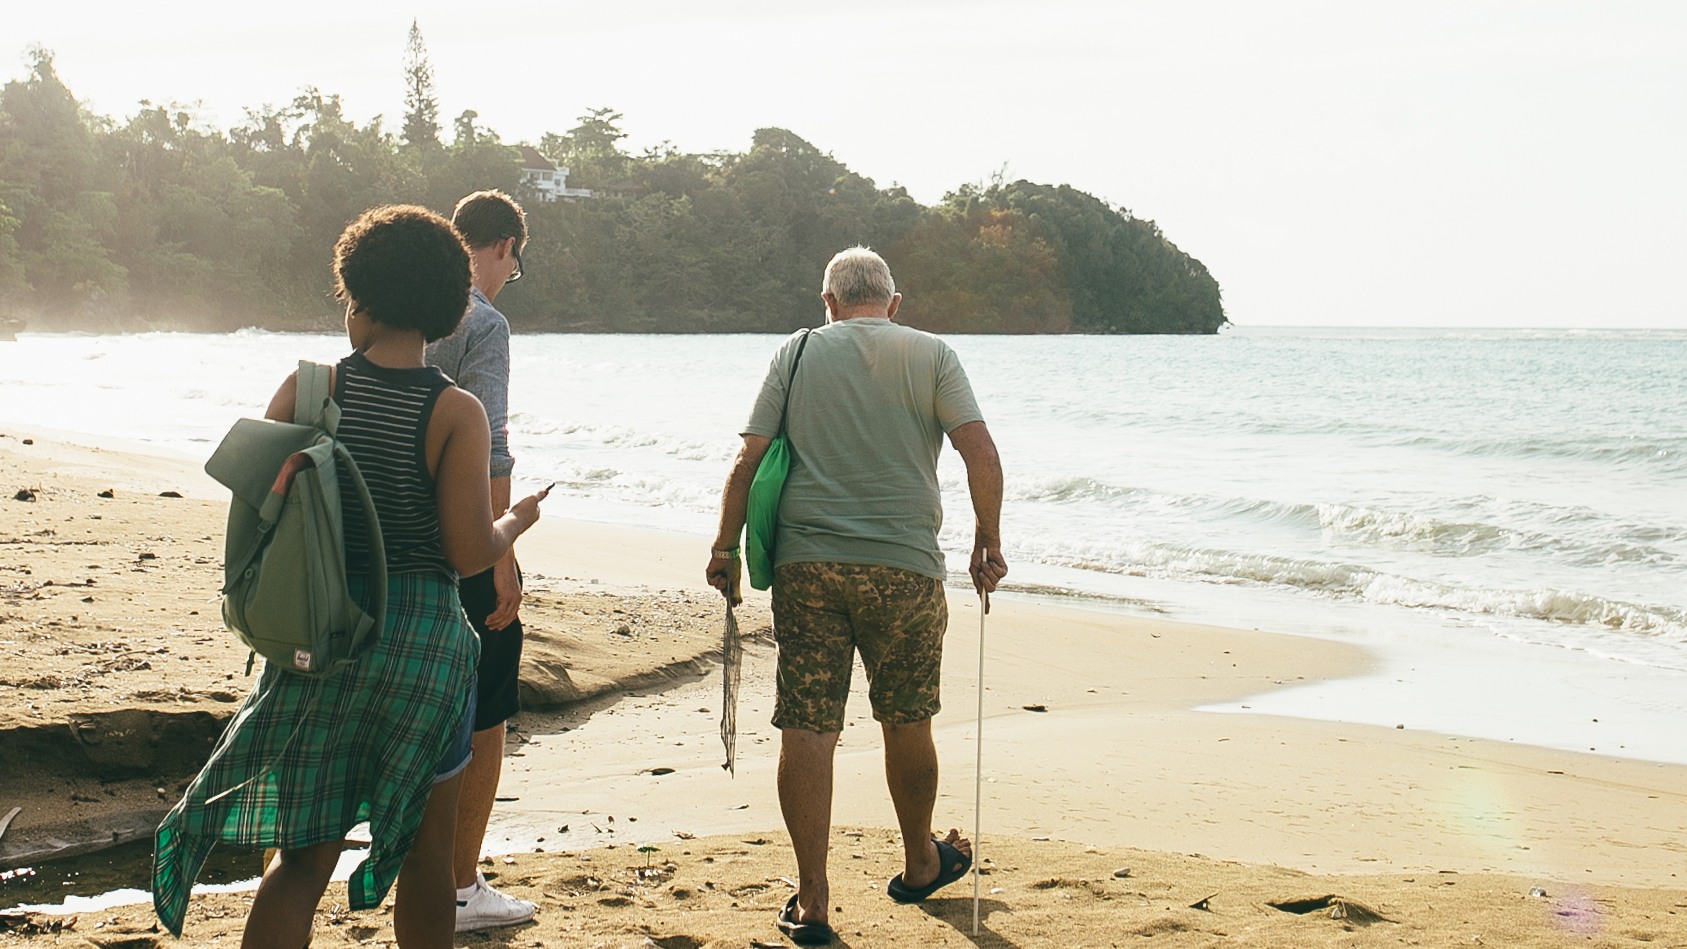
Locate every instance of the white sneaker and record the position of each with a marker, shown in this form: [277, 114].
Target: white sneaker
[485, 908]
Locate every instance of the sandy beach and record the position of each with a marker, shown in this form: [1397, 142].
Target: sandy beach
[1113, 814]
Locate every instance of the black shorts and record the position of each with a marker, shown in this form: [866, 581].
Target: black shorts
[498, 692]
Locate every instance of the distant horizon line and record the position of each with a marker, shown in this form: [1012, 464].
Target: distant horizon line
[1443, 326]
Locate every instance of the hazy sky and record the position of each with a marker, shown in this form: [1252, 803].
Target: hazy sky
[1467, 163]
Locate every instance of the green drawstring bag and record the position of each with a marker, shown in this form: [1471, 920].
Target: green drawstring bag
[762, 516]
[285, 592]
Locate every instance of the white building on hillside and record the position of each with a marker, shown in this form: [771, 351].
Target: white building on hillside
[546, 177]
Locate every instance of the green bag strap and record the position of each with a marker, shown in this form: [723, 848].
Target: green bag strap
[313, 404]
[785, 410]
[313, 401]
[376, 546]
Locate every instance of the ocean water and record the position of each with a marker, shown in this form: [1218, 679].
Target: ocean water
[1500, 515]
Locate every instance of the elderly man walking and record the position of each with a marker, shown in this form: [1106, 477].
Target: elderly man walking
[856, 562]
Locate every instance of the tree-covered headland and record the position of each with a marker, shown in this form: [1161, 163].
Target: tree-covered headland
[161, 222]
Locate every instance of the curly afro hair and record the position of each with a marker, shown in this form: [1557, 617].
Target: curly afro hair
[404, 266]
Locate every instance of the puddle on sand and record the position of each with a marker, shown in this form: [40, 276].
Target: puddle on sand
[111, 877]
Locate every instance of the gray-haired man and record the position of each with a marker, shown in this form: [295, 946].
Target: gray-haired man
[857, 566]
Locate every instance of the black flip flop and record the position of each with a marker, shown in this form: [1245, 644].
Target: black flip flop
[803, 934]
[952, 865]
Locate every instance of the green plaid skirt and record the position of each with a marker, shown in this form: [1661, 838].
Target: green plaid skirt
[305, 759]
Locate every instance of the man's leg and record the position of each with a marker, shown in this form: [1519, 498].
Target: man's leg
[805, 798]
[474, 805]
[900, 632]
[816, 655]
[911, 772]
[497, 688]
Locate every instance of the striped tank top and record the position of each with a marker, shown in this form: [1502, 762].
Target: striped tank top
[384, 417]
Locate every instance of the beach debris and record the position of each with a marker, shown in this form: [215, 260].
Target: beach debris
[658, 772]
[29, 441]
[1204, 904]
[1537, 892]
[1121, 873]
[31, 924]
[169, 494]
[108, 493]
[6, 821]
[1035, 708]
[24, 494]
[1337, 907]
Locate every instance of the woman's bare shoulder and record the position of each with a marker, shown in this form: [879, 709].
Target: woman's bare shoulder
[459, 403]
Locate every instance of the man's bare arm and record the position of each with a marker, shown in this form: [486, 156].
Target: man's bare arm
[984, 482]
[506, 581]
[723, 572]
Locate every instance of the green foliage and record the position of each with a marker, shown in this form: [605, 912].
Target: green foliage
[421, 106]
[51, 181]
[11, 262]
[199, 240]
[981, 270]
[165, 222]
[1120, 272]
[592, 151]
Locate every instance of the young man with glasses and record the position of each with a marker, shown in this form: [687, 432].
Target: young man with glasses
[477, 358]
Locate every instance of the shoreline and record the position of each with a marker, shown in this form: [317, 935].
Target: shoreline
[1435, 669]
[1096, 757]
[1122, 752]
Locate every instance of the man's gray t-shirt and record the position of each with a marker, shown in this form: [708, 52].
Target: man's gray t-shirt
[477, 358]
[869, 408]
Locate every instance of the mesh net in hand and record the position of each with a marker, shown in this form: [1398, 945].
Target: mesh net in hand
[731, 664]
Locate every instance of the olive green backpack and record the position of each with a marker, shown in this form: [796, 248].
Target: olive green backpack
[285, 590]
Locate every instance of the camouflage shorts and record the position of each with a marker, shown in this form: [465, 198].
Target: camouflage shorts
[824, 612]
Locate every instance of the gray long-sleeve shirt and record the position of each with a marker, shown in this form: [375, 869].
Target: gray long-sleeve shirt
[477, 358]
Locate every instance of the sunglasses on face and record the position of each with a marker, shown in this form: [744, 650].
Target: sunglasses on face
[516, 250]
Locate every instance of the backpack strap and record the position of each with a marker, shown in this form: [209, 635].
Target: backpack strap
[795, 362]
[313, 401]
[314, 404]
[377, 583]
